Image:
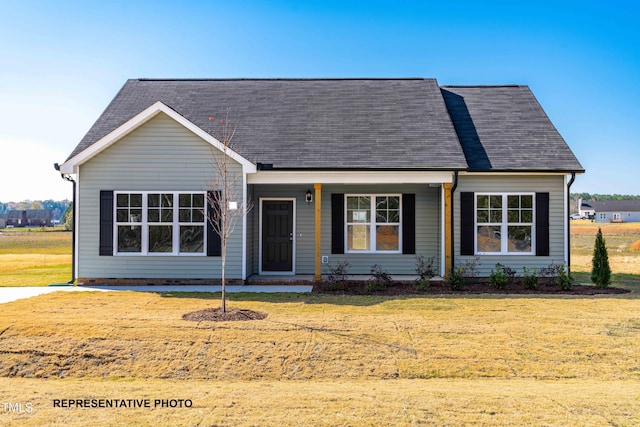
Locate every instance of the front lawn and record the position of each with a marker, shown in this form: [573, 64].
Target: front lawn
[325, 360]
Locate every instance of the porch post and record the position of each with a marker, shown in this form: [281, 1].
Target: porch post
[446, 187]
[317, 275]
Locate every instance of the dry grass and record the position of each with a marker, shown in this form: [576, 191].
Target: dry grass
[451, 402]
[34, 258]
[619, 239]
[35, 241]
[323, 360]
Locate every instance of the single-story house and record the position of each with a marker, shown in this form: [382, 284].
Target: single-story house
[368, 171]
[30, 218]
[615, 210]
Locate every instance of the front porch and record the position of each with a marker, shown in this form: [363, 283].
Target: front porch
[297, 231]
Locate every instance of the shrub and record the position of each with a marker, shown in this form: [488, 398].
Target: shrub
[380, 279]
[530, 279]
[498, 279]
[563, 279]
[455, 280]
[600, 271]
[337, 275]
[426, 270]
[470, 267]
[558, 275]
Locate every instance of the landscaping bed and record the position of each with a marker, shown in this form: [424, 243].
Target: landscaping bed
[472, 287]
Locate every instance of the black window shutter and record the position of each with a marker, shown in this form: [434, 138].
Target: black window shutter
[337, 223]
[106, 223]
[214, 244]
[408, 223]
[542, 224]
[466, 223]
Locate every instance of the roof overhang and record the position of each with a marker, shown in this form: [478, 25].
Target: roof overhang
[350, 177]
[71, 165]
[522, 172]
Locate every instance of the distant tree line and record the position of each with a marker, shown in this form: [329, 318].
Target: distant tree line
[599, 197]
[58, 207]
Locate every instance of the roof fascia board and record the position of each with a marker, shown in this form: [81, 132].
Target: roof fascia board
[522, 172]
[71, 166]
[349, 177]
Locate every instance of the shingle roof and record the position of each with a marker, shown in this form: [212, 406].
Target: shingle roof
[505, 128]
[308, 123]
[614, 205]
[358, 123]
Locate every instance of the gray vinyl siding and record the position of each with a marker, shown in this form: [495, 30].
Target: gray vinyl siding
[624, 216]
[428, 220]
[428, 229]
[553, 184]
[160, 155]
[304, 225]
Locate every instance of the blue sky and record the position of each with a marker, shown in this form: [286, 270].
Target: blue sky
[62, 62]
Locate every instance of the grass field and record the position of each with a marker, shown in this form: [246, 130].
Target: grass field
[619, 239]
[325, 360]
[34, 257]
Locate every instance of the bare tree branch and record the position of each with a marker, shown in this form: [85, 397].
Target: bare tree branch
[225, 192]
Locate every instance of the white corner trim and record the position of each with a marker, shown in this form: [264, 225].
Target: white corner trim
[71, 166]
[567, 225]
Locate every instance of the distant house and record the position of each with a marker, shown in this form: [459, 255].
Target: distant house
[30, 218]
[3, 221]
[585, 209]
[613, 210]
[364, 171]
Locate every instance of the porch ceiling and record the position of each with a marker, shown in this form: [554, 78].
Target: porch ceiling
[350, 177]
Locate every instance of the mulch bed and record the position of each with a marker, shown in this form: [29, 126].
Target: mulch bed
[471, 288]
[216, 315]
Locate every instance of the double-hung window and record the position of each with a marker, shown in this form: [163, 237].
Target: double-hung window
[504, 223]
[373, 223]
[160, 223]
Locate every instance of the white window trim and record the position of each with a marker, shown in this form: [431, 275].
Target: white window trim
[372, 224]
[145, 225]
[504, 235]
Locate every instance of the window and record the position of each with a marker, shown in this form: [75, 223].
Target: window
[160, 223]
[504, 223]
[373, 223]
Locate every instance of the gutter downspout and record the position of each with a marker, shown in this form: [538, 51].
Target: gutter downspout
[73, 227]
[453, 189]
[573, 178]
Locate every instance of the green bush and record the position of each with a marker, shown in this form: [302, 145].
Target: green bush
[499, 279]
[563, 279]
[530, 279]
[426, 270]
[423, 285]
[380, 279]
[600, 271]
[455, 280]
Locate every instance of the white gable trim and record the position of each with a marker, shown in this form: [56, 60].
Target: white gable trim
[71, 166]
